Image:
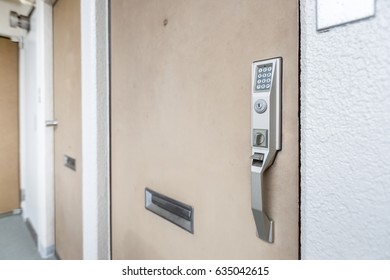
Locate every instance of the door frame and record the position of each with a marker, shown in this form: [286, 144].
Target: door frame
[40, 59]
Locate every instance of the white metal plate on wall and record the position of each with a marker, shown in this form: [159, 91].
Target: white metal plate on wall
[332, 13]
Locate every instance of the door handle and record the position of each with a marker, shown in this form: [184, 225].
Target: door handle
[263, 224]
[265, 134]
[53, 123]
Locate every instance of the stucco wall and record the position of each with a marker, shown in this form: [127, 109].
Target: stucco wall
[345, 144]
[95, 124]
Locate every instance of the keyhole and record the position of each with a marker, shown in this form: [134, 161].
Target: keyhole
[260, 106]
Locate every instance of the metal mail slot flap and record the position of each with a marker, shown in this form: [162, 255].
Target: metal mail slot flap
[170, 209]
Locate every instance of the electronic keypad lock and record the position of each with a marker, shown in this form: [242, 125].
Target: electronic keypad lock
[265, 134]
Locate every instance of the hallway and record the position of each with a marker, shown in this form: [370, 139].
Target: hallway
[16, 242]
[242, 117]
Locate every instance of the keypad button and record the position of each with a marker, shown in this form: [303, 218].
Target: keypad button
[269, 68]
[259, 81]
[268, 74]
[267, 85]
[268, 80]
[262, 86]
[260, 70]
[258, 87]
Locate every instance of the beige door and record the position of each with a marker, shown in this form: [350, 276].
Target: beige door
[67, 110]
[181, 103]
[9, 126]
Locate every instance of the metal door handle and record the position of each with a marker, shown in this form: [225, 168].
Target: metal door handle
[266, 118]
[51, 123]
[263, 224]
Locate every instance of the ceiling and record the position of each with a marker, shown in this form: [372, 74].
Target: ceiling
[14, 1]
[25, 2]
[21, 6]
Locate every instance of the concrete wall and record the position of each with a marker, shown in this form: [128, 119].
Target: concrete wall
[345, 116]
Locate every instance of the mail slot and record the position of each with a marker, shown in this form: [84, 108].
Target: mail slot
[170, 209]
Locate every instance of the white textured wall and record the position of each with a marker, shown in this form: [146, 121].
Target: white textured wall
[346, 137]
[95, 124]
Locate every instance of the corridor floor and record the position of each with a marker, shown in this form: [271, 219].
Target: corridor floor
[16, 242]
